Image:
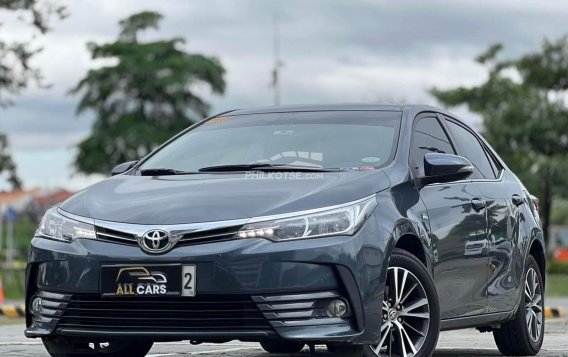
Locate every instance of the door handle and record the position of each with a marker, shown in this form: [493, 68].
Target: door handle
[517, 200]
[478, 204]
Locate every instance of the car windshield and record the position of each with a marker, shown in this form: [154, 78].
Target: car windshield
[329, 139]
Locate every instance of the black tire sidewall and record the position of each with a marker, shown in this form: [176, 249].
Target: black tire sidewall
[535, 346]
[282, 346]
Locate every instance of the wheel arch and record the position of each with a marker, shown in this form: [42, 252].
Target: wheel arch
[413, 238]
[413, 245]
[536, 249]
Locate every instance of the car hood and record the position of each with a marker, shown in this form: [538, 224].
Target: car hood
[217, 197]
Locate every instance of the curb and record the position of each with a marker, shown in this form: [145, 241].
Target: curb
[553, 312]
[13, 311]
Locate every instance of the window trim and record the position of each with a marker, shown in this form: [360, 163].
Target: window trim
[488, 153]
[416, 120]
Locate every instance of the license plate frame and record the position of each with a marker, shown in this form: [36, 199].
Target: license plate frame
[147, 280]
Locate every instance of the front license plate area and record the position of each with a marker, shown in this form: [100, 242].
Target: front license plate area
[147, 280]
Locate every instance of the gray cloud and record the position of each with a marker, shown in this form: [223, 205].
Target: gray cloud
[334, 51]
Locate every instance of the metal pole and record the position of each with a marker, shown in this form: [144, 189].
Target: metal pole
[1, 226]
[10, 241]
[277, 62]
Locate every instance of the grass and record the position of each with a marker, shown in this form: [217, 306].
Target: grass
[557, 285]
[13, 283]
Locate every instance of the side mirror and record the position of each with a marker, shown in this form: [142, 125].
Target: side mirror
[122, 168]
[440, 168]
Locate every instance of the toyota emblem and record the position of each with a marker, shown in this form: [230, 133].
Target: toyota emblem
[155, 241]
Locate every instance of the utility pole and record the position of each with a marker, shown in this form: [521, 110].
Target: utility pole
[10, 218]
[1, 225]
[278, 64]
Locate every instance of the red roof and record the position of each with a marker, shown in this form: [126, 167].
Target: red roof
[53, 198]
[16, 195]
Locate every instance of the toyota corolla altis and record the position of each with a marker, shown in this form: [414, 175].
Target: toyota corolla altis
[362, 227]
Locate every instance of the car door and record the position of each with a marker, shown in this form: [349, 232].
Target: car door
[458, 227]
[503, 198]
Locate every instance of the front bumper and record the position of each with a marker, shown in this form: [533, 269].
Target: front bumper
[249, 290]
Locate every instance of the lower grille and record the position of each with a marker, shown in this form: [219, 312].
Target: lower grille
[203, 313]
[307, 309]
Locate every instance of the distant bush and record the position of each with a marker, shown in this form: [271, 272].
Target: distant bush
[556, 267]
[14, 283]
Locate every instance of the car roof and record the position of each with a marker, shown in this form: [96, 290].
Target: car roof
[337, 107]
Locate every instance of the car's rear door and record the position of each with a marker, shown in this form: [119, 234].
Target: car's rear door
[503, 196]
[458, 226]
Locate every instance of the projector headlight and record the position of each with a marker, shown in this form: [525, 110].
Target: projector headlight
[56, 226]
[342, 220]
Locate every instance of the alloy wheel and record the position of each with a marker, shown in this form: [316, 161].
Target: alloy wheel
[533, 305]
[406, 315]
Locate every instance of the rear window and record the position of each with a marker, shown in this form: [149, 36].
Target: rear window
[334, 139]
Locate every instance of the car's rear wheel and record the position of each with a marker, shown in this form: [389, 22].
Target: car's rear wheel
[282, 346]
[523, 336]
[71, 348]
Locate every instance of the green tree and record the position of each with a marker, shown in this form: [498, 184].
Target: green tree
[142, 99]
[16, 70]
[524, 117]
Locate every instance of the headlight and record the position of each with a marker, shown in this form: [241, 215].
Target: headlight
[56, 226]
[343, 220]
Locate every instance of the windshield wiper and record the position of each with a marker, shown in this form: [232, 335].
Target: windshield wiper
[264, 167]
[163, 172]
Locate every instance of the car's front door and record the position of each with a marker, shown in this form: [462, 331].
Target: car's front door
[504, 198]
[458, 227]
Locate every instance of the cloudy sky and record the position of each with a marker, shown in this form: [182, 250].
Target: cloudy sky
[333, 51]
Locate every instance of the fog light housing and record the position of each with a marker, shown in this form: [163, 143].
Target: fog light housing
[337, 308]
[36, 306]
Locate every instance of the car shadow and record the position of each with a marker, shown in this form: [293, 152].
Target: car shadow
[446, 352]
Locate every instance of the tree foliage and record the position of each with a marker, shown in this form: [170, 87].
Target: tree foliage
[144, 97]
[16, 70]
[525, 118]
[7, 165]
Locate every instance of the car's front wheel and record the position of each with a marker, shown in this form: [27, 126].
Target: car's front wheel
[524, 335]
[282, 346]
[411, 312]
[72, 348]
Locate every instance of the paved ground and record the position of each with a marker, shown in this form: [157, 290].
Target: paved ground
[466, 343]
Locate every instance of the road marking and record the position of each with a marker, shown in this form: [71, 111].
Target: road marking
[20, 343]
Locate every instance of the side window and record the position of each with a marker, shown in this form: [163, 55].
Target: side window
[471, 148]
[428, 136]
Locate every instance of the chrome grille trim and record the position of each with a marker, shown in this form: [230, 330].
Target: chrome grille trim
[116, 237]
[187, 234]
[138, 230]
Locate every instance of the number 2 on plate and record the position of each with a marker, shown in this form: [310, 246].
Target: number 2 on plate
[188, 280]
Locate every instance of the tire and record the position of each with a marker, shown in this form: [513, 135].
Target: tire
[514, 338]
[345, 350]
[282, 346]
[71, 348]
[419, 309]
